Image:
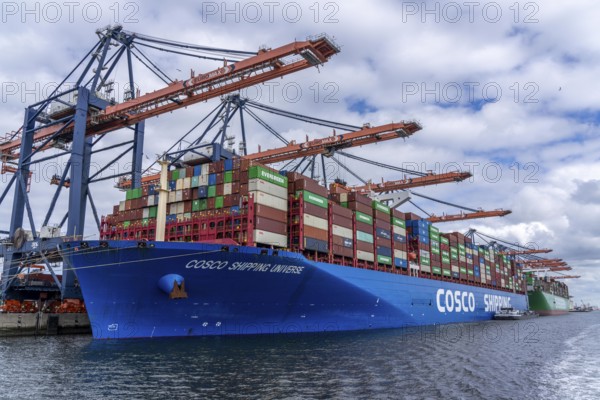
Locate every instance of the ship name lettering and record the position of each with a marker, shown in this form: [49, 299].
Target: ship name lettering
[287, 269]
[494, 302]
[454, 301]
[206, 264]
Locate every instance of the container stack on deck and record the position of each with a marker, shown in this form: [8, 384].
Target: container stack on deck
[240, 201]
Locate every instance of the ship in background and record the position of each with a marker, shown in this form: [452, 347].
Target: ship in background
[547, 296]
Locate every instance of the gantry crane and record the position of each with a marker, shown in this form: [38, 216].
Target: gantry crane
[75, 129]
[567, 277]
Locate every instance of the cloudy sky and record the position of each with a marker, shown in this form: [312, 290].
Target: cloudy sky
[502, 89]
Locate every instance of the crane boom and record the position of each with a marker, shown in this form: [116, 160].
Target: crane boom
[542, 261]
[266, 65]
[567, 277]
[327, 146]
[465, 216]
[317, 146]
[407, 183]
[522, 252]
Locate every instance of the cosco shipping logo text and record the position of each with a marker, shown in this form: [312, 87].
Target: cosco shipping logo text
[454, 301]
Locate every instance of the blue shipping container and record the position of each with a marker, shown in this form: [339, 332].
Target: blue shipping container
[198, 170]
[316, 245]
[384, 251]
[401, 263]
[212, 179]
[202, 192]
[228, 165]
[383, 233]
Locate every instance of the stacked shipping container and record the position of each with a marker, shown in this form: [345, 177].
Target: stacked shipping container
[242, 202]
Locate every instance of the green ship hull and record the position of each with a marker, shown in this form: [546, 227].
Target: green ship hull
[546, 303]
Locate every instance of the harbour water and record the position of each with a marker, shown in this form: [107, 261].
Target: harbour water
[544, 358]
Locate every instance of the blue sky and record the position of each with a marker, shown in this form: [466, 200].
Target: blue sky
[527, 104]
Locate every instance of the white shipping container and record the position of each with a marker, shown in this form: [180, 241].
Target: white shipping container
[341, 231]
[365, 256]
[316, 222]
[270, 238]
[203, 180]
[171, 197]
[180, 207]
[227, 189]
[269, 200]
[267, 187]
[399, 231]
[425, 268]
[122, 205]
[455, 269]
[151, 201]
[173, 208]
[146, 213]
[179, 195]
[187, 183]
[343, 197]
[179, 184]
[400, 254]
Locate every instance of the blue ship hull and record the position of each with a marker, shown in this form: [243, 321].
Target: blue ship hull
[234, 290]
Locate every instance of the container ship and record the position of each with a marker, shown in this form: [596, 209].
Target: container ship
[247, 249]
[547, 296]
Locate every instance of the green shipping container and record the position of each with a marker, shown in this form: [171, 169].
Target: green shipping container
[312, 198]
[362, 217]
[219, 202]
[380, 207]
[175, 175]
[444, 240]
[433, 229]
[153, 212]
[434, 236]
[445, 260]
[454, 253]
[195, 205]
[145, 221]
[437, 270]
[463, 270]
[129, 194]
[470, 272]
[384, 260]
[262, 173]
[344, 204]
[126, 224]
[212, 191]
[447, 272]
[399, 223]
[425, 261]
[228, 178]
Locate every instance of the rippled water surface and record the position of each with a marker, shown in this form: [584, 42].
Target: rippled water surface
[544, 358]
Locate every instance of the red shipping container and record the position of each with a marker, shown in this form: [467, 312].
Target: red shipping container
[363, 208]
[269, 225]
[311, 186]
[342, 221]
[359, 198]
[315, 233]
[336, 209]
[342, 251]
[364, 227]
[269, 212]
[364, 246]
